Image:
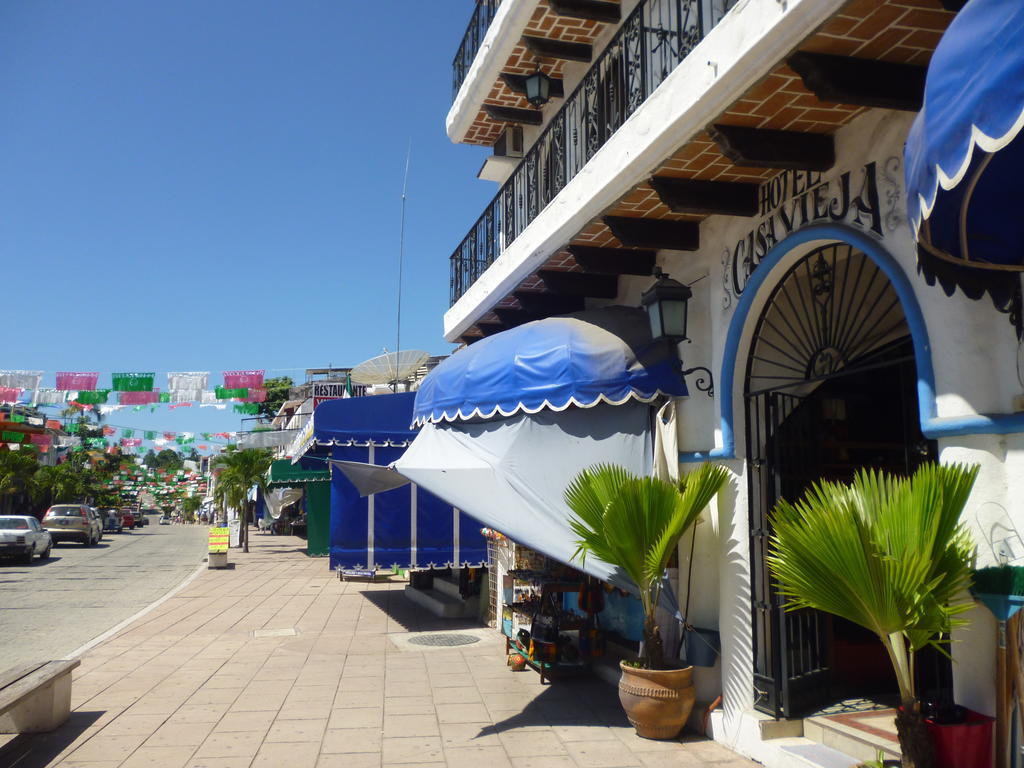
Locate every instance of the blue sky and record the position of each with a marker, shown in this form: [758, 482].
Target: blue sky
[216, 185]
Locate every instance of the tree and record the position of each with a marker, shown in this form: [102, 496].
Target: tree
[636, 523]
[889, 554]
[277, 392]
[240, 471]
[17, 468]
[189, 506]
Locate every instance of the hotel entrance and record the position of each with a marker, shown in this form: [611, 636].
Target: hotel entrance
[831, 387]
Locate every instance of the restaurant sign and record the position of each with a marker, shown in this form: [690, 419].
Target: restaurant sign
[327, 390]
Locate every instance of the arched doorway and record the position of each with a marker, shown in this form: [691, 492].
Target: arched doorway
[830, 387]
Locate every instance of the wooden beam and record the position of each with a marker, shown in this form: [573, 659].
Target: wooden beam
[510, 318]
[489, 329]
[592, 10]
[613, 261]
[953, 5]
[513, 115]
[862, 82]
[468, 339]
[579, 284]
[635, 232]
[558, 49]
[517, 84]
[726, 198]
[548, 304]
[783, 150]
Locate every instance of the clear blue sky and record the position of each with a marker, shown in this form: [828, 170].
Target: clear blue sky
[198, 185]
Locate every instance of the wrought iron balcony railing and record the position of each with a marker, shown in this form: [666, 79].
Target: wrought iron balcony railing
[656, 36]
[483, 15]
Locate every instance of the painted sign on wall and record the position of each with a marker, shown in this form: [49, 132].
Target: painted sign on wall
[795, 199]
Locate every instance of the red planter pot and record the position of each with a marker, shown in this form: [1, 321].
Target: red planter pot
[963, 745]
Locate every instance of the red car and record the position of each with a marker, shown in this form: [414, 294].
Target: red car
[128, 519]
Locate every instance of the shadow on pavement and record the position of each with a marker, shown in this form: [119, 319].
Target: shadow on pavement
[412, 617]
[578, 702]
[37, 750]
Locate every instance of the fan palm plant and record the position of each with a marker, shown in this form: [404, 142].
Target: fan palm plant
[635, 523]
[887, 553]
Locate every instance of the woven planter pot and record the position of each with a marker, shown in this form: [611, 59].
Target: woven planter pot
[657, 702]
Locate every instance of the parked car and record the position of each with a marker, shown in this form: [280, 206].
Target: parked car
[165, 519]
[112, 520]
[22, 536]
[73, 522]
[128, 519]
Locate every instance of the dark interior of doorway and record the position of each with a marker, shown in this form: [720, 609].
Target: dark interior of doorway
[866, 418]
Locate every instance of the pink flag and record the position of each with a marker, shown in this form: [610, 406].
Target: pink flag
[256, 395]
[77, 380]
[9, 394]
[179, 405]
[170, 435]
[240, 379]
[40, 439]
[147, 397]
[131, 442]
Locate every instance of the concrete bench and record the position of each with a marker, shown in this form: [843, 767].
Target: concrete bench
[36, 697]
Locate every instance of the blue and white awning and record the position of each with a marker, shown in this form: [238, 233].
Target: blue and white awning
[599, 356]
[962, 163]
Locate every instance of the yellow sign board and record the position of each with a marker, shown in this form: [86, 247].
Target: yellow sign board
[218, 540]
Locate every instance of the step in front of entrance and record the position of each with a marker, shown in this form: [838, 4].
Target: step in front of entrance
[861, 735]
[798, 752]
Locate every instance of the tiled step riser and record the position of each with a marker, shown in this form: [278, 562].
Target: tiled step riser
[838, 738]
[441, 605]
[447, 587]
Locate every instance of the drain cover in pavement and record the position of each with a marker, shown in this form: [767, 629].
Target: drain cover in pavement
[444, 639]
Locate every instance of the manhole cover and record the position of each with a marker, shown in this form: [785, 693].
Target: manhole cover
[443, 639]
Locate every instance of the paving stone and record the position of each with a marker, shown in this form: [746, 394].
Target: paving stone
[344, 740]
[418, 750]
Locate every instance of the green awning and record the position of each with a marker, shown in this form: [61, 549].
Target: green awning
[284, 474]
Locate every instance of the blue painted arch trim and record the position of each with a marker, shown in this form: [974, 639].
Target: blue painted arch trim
[932, 426]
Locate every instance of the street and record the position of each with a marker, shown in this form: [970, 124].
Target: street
[55, 606]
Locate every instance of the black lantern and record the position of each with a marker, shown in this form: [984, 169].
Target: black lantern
[538, 88]
[665, 302]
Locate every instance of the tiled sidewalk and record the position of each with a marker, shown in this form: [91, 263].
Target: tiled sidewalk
[193, 684]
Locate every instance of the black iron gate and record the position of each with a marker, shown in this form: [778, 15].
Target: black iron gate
[790, 661]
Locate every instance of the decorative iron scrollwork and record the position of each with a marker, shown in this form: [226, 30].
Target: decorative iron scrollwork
[702, 384]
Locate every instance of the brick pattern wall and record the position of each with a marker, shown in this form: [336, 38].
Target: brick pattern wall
[544, 23]
[901, 31]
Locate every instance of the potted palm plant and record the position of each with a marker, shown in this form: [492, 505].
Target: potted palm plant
[635, 523]
[887, 553]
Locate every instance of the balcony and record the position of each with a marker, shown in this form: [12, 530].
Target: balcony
[483, 15]
[652, 41]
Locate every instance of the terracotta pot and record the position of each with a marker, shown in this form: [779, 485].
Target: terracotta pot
[658, 702]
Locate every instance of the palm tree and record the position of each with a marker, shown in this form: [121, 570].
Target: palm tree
[240, 471]
[889, 554]
[636, 523]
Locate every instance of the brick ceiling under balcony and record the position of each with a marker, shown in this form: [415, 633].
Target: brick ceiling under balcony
[898, 31]
[544, 23]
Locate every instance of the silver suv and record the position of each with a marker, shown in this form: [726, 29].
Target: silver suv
[73, 522]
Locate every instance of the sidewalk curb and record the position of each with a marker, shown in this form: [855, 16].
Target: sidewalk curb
[137, 615]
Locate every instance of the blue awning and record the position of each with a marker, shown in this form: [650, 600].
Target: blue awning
[380, 418]
[407, 527]
[599, 356]
[962, 164]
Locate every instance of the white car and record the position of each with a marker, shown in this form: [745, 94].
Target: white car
[22, 536]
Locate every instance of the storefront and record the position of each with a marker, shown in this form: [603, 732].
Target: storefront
[397, 526]
[312, 485]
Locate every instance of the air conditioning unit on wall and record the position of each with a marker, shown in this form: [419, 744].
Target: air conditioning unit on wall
[510, 142]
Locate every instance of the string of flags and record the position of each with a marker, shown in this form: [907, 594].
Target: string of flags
[244, 390]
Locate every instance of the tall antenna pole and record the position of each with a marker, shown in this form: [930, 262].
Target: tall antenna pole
[401, 260]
